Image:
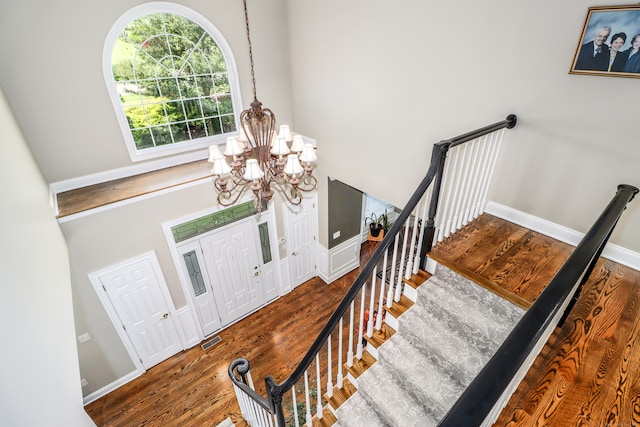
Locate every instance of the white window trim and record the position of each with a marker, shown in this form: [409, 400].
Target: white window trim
[232, 72]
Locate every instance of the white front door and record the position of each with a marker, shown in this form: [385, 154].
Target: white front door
[134, 292]
[301, 238]
[201, 289]
[231, 259]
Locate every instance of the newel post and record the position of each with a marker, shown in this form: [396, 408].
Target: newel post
[438, 155]
[275, 400]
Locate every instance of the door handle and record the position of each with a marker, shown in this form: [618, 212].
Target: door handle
[295, 253]
[164, 316]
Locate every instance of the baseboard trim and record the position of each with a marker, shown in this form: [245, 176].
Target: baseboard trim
[110, 387]
[613, 252]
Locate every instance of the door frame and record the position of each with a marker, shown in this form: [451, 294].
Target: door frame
[184, 280]
[94, 278]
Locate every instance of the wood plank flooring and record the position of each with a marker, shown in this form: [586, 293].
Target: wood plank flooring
[587, 375]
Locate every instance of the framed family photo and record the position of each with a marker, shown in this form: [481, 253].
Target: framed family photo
[610, 42]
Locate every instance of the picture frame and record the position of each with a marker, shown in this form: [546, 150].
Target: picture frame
[610, 42]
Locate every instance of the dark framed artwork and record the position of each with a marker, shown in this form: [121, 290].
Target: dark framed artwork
[610, 42]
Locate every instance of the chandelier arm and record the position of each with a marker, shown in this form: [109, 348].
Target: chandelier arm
[308, 183]
[293, 196]
[227, 198]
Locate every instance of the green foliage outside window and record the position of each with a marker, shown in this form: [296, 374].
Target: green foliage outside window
[172, 80]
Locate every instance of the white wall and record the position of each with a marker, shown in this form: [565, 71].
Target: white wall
[378, 82]
[38, 363]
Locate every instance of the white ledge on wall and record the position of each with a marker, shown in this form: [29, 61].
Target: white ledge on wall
[611, 251]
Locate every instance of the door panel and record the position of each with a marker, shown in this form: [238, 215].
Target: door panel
[301, 227]
[134, 291]
[201, 290]
[231, 258]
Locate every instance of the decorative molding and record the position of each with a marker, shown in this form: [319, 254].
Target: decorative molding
[110, 387]
[340, 260]
[187, 329]
[285, 277]
[611, 251]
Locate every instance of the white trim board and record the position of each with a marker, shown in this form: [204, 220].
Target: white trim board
[611, 251]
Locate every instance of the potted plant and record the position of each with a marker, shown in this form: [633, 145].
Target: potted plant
[377, 223]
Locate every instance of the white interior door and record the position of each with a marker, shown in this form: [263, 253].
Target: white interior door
[301, 238]
[201, 289]
[231, 259]
[134, 291]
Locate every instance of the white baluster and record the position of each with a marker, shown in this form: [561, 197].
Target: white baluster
[488, 148]
[468, 183]
[448, 180]
[409, 266]
[383, 283]
[307, 399]
[339, 377]
[458, 191]
[295, 407]
[370, 321]
[318, 388]
[477, 178]
[393, 271]
[402, 262]
[480, 171]
[361, 323]
[351, 329]
[329, 370]
[492, 168]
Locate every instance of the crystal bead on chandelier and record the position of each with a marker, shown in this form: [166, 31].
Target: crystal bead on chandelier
[260, 159]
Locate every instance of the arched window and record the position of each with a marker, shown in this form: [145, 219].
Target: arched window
[172, 80]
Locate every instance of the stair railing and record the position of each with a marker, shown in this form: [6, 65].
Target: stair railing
[380, 283]
[481, 403]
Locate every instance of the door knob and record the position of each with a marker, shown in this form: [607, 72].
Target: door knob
[295, 253]
[164, 316]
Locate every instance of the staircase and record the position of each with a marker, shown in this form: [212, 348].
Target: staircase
[441, 343]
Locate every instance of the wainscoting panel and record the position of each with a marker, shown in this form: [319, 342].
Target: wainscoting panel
[340, 260]
[187, 329]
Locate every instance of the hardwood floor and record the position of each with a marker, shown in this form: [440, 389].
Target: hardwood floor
[193, 388]
[587, 375]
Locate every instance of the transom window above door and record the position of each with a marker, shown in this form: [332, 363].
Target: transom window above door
[172, 80]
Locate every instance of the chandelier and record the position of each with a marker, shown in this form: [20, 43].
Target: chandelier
[262, 160]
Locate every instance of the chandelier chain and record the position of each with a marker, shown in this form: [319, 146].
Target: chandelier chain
[253, 76]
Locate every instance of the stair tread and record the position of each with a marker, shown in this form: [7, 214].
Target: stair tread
[341, 395]
[360, 365]
[380, 336]
[478, 324]
[429, 379]
[399, 307]
[391, 397]
[327, 420]
[470, 291]
[358, 413]
[418, 279]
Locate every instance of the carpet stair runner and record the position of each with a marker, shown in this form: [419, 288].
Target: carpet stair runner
[442, 342]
